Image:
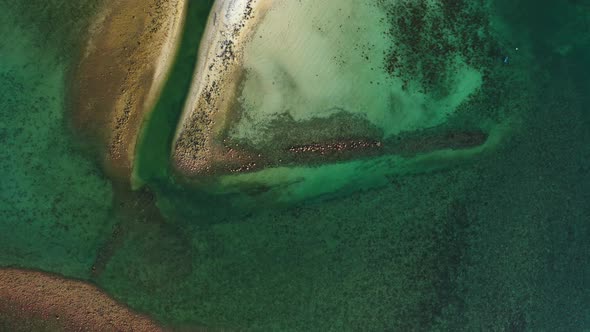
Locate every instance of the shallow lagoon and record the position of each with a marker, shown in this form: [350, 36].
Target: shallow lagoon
[495, 242]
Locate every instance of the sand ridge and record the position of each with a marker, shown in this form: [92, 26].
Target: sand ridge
[130, 50]
[196, 151]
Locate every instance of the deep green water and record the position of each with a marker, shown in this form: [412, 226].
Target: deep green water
[499, 243]
[152, 163]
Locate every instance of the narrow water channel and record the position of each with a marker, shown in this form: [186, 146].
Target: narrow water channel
[153, 148]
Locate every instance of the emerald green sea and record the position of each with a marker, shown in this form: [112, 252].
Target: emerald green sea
[498, 241]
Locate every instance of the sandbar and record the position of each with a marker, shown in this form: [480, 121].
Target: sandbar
[42, 301]
[130, 49]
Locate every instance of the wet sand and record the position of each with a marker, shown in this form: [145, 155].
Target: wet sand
[197, 148]
[122, 70]
[31, 300]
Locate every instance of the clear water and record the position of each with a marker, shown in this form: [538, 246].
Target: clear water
[496, 239]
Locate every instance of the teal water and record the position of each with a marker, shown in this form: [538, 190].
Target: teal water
[152, 163]
[499, 242]
[55, 205]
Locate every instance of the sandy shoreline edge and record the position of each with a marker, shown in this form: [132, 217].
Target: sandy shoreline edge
[45, 301]
[195, 149]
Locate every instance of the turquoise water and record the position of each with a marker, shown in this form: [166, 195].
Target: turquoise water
[498, 241]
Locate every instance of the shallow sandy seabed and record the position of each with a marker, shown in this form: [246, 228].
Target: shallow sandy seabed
[287, 92]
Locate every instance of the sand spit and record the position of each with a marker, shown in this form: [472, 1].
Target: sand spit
[41, 301]
[196, 150]
[130, 50]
